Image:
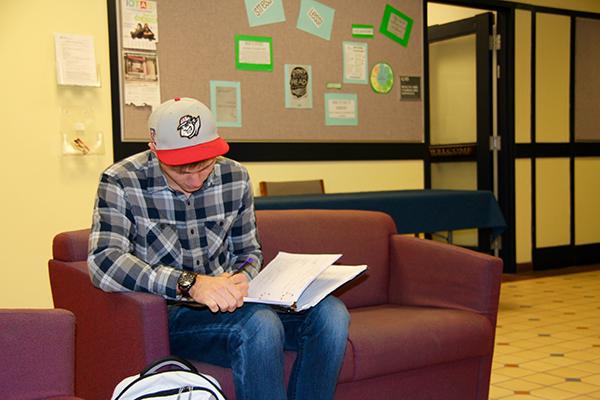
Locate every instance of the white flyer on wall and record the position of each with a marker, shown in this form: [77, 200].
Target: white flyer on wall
[254, 52]
[75, 60]
[139, 24]
[226, 103]
[356, 63]
[142, 94]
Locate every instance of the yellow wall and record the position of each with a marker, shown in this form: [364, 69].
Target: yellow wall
[43, 192]
[523, 211]
[552, 54]
[579, 5]
[438, 14]
[522, 76]
[552, 202]
[343, 176]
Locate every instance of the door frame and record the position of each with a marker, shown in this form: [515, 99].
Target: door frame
[506, 244]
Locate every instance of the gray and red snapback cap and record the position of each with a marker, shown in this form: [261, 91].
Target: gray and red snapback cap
[184, 131]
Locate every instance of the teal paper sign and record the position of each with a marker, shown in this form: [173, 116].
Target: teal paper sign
[226, 103]
[396, 25]
[341, 109]
[263, 12]
[316, 18]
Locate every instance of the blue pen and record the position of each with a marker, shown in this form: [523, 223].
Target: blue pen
[248, 261]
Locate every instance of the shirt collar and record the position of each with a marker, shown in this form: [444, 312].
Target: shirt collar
[156, 179]
[215, 176]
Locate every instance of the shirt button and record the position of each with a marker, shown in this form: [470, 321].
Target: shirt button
[197, 262]
[192, 231]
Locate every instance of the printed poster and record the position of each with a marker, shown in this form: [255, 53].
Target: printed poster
[141, 83]
[298, 86]
[139, 24]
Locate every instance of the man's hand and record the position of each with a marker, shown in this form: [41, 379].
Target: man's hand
[220, 293]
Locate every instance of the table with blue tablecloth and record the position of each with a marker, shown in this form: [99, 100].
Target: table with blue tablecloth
[414, 211]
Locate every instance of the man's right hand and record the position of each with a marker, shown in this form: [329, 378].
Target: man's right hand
[220, 293]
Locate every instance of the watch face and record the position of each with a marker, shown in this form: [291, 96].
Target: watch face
[186, 281]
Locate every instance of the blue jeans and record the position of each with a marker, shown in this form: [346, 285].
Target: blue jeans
[251, 341]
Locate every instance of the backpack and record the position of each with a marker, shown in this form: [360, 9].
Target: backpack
[181, 381]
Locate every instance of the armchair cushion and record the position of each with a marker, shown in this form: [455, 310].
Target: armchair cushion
[391, 338]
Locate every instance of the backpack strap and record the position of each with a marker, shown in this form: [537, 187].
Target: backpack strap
[169, 361]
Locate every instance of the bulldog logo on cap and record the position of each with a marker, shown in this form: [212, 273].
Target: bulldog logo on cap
[189, 126]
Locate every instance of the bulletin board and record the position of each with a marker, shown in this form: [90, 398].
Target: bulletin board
[196, 45]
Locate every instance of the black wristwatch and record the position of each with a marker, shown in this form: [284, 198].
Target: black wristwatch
[185, 282]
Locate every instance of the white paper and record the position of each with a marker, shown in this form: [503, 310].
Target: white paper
[252, 52]
[284, 279]
[75, 60]
[355, 59]
[329, 280]
[142, 93]
[397, 25]
[341, 109]
[227, 105]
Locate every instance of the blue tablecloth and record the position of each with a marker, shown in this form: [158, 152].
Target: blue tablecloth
[414, 211]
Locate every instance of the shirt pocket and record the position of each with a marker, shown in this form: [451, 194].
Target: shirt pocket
[159, 243]
[217, 230]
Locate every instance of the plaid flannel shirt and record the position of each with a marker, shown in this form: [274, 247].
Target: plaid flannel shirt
[144, 233]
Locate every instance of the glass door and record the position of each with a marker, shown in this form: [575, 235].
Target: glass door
[461, 112]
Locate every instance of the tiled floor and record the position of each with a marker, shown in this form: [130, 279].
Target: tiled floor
[548, 339]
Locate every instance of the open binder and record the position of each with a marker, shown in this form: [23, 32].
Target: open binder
[300, 281]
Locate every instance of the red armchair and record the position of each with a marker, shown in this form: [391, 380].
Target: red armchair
[422, 318]
[37, 349]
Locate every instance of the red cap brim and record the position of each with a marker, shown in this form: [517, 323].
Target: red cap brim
[192, 154]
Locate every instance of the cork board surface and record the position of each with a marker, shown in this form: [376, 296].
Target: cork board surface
[196, 45]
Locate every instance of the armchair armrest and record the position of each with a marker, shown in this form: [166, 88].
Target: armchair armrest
[117, 334]
[37, 349]
[433, 274]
